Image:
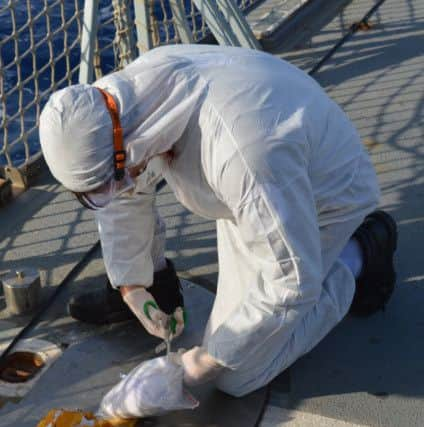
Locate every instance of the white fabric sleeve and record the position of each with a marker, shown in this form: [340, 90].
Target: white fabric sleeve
[126, 228]
[278, 236]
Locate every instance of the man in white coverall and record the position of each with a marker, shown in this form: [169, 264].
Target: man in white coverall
[250, 141]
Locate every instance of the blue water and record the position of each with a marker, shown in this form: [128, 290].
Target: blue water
[55, 73]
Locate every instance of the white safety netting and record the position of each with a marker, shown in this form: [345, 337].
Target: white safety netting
[40, 53]
[34, 44]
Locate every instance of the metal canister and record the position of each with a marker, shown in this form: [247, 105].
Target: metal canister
[21, 290]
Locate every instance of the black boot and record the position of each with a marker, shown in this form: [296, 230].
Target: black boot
[101, 307]
[377, 237]
[106, 305]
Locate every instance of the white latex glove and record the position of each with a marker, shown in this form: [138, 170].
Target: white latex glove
[199, 366]
[156, 322]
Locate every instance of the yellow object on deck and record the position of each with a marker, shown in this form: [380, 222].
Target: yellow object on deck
[63, 418]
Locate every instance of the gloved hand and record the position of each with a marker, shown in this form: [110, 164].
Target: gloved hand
[147, 310]
[199, 366]
[160, 307]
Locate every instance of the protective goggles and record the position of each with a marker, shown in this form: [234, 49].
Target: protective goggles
[121, 182]
[102, 196]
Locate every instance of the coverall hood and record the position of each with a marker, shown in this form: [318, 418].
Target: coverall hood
[76, 138]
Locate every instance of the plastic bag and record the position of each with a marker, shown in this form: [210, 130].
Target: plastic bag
[152, 388]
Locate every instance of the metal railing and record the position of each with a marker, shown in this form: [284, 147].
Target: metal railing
[41, 43]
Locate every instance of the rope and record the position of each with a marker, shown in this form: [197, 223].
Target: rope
[352, 30]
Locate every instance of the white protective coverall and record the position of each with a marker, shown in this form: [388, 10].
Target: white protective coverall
[262, 149]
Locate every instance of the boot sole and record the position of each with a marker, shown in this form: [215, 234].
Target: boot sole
[390, 225]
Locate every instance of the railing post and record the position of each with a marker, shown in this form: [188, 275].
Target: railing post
[238, 23]
[218, 26]
[178, 12]
[88, 38]
[142, 22]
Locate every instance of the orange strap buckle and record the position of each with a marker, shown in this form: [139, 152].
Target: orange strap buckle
[119, 154]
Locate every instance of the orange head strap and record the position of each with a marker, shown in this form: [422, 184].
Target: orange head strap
[119, 154]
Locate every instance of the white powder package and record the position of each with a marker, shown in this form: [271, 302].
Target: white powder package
[152, 388]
